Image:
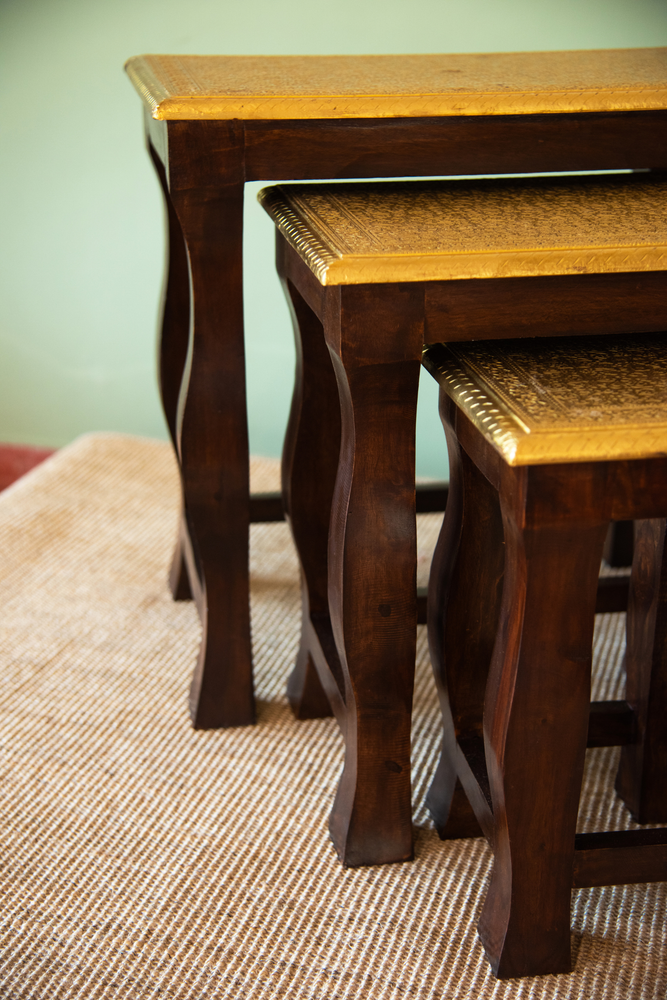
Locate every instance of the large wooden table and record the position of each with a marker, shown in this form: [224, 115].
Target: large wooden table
[215, 122]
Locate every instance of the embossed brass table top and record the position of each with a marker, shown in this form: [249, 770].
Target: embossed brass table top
[570, 399]
[320, 87]
[441, 230]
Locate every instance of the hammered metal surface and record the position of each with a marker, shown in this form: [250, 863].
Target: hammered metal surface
[427, 231]
[312, 87]
[570, 399]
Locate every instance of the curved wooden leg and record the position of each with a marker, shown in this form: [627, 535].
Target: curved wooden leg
[375, 336]
[536, 725]
[179, 582]
[463, 608]
[310, 461]
[642, 774]
[211, 420]
[173, 349]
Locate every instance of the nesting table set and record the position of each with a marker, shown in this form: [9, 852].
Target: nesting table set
[371, 280]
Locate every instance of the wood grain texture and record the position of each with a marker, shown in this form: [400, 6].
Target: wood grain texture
[643, 767]
[173, 344]
[536, 726]
[551, 306]
[375, 344]
[523, 779]
[206, 190]
[413, 147]
[620, 857]
[464, 597]
[348, 482]
[309, 465]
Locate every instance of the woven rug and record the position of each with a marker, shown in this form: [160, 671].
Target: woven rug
[141, 859]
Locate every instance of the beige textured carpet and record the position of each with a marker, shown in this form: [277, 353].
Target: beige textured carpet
[141, 859]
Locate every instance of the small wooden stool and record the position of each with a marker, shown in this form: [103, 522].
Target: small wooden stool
[372, 271]
[549, 441]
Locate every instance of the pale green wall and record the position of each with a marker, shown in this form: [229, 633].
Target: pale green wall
[81, 230]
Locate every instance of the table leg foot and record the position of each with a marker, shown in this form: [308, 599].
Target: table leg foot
[448, 805]
[370, 822]
[305, 693]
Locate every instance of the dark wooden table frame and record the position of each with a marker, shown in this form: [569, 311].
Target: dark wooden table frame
[511, 613]
[348, 484]
[203, 166]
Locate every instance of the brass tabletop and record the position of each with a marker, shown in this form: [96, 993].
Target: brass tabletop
[442, 230]
[181, 87]
[567, 399]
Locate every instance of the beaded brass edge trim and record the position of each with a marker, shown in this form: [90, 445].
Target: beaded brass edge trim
[355, 269]
[517, 444]
[314, 251]
[145, 82]
[500, 428]
[324, 106]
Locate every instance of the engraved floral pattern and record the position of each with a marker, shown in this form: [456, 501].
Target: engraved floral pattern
[570, 399]
[283, 87]
[468, 217]
[444, 230]
[574, 381]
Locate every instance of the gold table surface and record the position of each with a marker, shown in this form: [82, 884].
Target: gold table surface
[567, 399]
[444, 230]
[387, 86]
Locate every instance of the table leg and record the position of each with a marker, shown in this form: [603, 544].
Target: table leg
[205, 172]
[465, 589]
[310, 462]
[643, 768]
[172, 352]
[536, 725]
[375, 338]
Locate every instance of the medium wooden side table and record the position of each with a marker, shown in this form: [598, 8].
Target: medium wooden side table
[215, 122]
[372, 271]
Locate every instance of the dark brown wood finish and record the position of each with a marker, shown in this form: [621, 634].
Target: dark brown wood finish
[523, 777]
[612, 596]
[375, 337]
[619, 547]
[309, 466]
[643, 767]
[619, 857]
[172, 355]
[553, 306]
[205, 166]
[464, 597]
[429, 497]
[422, 147]
[349, 485]
[611, 724]
[205, 179]
[536, 726]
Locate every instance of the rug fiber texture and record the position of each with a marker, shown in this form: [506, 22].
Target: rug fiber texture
[141, 859]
